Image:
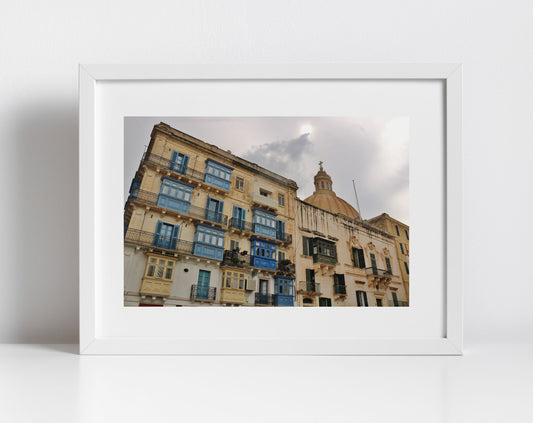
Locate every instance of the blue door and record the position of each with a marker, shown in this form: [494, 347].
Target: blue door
[166, 235]
[238, 217]
[214, 210]
[179, 162]
[203, 284]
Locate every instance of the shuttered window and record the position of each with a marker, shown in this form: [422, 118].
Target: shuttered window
[387, 262]
[358, 256]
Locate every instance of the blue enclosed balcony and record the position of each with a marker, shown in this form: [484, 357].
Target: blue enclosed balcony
[263, 254]
[284, 295]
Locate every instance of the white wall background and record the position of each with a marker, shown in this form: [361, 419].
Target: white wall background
[41, 44]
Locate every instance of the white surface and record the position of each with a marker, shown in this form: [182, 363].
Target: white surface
[419, 328]
[490, 383]
[41, 44]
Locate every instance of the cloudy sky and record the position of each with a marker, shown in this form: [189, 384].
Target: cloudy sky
[372, 151]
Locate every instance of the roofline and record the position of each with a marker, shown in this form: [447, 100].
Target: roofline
[365, 224]
[253, 167]
[387, 216]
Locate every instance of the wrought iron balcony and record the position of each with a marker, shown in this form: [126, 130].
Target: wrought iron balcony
[374, 271]
[263, 299]
[309, 287]
[240, 224]
[159, 161]
[398, 303]
[203, 293]
[149, 239]
[284, 267]
[201, 213]
[235, 259]
[339, 289]
[284, 237]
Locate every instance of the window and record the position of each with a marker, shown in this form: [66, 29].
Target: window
[406, 234]
[264, 223]
[218, 174]
[175, 195]
[307, 302]
[395, 299]
[166, 235]
[358, 256]
[324, 302]
[406, 267]
[397, 230]
[209, 242]
[179, 162]
[233, 245]
[280, 230]
[202, 289]
[159, 268]
[281, 200]
[322, 184]
[339, 284]
[322, 247]
[307, 246]
[401, 248]
[387, 263]
[309, 275]
[235, 280]
[373, 261]
[281, 256]
[284, 286]
[264, 192]
[362, 300]
[264, 254]
[379, 302]
[214, 209]
[239, 183]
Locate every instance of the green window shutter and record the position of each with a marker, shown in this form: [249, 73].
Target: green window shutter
[305, 246]
[309, 275]
[395, 299]
[361, 256]
[387, 262]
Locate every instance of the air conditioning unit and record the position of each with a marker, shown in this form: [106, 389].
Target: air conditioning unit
[251, 285]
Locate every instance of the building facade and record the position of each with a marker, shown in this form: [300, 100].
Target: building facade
[400, 231]
[205, 227]
[340, 259]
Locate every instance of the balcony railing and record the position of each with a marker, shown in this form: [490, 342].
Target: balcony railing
[378, 272]
[263, 299]
[204, 293]
[310, 287]
[200, 213]
[284, 237]
[156, 160]
[236, 259]
[286, 268]
[339, 289]
[148, 239]
[240, 224]
[398, 303]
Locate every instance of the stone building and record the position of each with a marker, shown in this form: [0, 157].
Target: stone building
[400, 231]
[205, 227]
[340, 259]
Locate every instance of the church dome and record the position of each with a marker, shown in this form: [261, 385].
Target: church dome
[325, 198]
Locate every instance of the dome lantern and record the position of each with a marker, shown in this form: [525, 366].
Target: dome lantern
[325, 198]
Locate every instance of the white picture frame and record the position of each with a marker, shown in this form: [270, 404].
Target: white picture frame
[95, 335]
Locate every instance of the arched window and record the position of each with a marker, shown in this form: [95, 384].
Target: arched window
[322, 183]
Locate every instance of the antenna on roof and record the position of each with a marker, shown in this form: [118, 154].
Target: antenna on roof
[356, 199]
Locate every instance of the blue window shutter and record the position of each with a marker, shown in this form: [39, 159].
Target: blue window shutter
[220, 206]
[157, 232]
[185, 163]
[236, 212]
[208, 202]
[243, 214]
[174, 237]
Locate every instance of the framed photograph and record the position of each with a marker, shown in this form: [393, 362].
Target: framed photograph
[270, 209]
